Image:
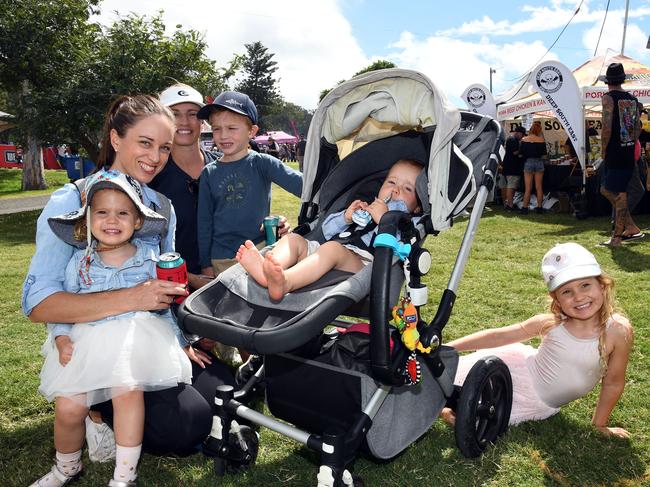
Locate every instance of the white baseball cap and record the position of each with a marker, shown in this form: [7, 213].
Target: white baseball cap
[566, 262]
[181, 93]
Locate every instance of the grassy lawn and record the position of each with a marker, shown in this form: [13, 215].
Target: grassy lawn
[10, 180]
[501, 285]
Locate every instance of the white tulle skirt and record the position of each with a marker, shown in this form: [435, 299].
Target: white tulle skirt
[526, 403]
[139, 352]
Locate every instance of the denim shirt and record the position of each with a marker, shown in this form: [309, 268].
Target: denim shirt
[46, 273]
[137, 269]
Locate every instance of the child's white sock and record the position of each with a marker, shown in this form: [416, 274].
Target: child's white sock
[126, 462]
[67, 465]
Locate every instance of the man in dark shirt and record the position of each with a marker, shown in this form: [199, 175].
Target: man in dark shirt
[621, 127]
[300, 150]
[510, 177]
[179, 180]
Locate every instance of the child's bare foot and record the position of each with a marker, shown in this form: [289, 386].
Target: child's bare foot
[251, 260]
[449, 416]
[275, 278]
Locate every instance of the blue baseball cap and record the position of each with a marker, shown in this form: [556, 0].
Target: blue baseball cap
[233, 101]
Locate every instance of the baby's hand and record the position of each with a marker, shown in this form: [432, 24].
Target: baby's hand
[377, 209]
[354, 206]
[615, 431]
[65, 348]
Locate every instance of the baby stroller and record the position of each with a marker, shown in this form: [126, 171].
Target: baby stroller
[338, 395]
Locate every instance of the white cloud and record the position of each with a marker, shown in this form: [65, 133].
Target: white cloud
[454, 64]
[312, 41]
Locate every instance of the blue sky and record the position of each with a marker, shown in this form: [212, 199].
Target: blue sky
[318, 43]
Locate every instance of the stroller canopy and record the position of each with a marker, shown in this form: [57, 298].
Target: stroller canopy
[383, 103]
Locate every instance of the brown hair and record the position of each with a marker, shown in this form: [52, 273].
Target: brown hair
[123, 114]
[536, 128]
[606, 312]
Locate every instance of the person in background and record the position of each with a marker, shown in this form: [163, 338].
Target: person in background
[533, 149]
[300, 151]
[621, 121]
[179, 179]
[510, 179]
[273, 148]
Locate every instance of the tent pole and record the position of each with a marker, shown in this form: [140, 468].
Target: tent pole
[627, 7]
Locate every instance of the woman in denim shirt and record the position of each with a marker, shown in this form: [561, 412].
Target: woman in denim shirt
[138, 132]
[119, 357]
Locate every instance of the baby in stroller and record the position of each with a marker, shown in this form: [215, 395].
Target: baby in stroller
[296, 262]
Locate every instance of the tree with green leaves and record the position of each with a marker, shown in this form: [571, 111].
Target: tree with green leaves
[62, 71]
[259, 82]
[376, 66]
[40, 44]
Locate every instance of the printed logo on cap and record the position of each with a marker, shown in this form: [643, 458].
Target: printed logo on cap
[232, 101]
[476, 97]
[549, 79]
[183, 93]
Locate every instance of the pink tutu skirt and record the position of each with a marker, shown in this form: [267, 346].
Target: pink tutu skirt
[526, 403]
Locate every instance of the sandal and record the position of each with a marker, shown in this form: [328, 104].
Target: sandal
[58, 475]
[634, 236]
[610, 242]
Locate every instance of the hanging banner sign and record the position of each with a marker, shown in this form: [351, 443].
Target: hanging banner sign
[516, 109]
[591, 95]
[479, 100]
[557, 86]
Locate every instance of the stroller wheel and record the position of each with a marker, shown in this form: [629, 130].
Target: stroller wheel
[484, 405]
[242, 452]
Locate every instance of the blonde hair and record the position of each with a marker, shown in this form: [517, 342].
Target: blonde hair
[606, 312]
[536, 128]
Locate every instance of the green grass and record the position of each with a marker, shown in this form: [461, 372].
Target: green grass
[501, 285]
[10, 182]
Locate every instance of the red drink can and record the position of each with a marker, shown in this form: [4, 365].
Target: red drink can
[172, 267]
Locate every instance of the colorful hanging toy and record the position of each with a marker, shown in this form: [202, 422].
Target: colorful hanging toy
[405, 319]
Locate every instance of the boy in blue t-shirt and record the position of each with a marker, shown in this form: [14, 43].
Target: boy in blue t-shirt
[235, 190]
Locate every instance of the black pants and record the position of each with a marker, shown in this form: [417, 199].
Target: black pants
[176, 420]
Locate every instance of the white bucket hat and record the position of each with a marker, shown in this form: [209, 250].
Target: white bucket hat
[566, 262]
[181, 93]
[152, 224]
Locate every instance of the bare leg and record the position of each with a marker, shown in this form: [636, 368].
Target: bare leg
[69, 429]
[528, 187]
[449, 416]
[128, 420]
[330, 255]
[251, 260]
[510, 193]
[539, 191]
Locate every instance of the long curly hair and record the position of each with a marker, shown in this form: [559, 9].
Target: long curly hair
[606, 312]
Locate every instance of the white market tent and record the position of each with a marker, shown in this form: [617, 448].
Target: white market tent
[521, 99]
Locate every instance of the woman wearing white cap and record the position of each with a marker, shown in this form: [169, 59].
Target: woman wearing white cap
[583, 342]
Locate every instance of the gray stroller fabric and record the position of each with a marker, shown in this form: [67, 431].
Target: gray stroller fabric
[408, 411]
[355, 287]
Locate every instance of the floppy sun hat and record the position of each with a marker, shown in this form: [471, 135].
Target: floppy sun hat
[566, 262]
[233, 101]
[177, 94]
[152, 222]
